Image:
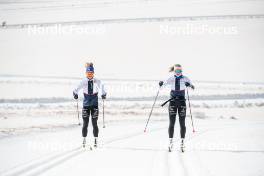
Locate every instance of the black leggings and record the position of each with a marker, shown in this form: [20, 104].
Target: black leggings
[93, 110]
[174, 107]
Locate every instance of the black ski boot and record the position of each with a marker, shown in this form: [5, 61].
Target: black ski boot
[170, 144]
[95, 142]
[182, 146]
[84, 142]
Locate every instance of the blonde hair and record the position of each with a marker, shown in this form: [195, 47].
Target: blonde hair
[88, 64]
[171, 69]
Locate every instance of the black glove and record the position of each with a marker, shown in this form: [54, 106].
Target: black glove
[75, 96]
[104, 96]
[187, 84]
[161, 83]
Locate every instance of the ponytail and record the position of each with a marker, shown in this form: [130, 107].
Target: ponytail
[171, 69]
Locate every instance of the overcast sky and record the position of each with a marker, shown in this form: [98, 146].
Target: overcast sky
[139, 51]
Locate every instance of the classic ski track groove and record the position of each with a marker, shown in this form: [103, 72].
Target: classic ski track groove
[37, 164]
[25, 168]
[59, 158]
[179, 154]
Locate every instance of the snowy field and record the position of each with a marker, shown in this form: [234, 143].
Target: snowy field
[40, 135]
[39, 131]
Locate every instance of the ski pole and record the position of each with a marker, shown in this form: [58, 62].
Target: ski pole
[78, 112]
[190, 109]
[151, 110]
[103, 116]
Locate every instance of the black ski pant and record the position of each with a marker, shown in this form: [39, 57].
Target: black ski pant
[86, 112]
[177, 106]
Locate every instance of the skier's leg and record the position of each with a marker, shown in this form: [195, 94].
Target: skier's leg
[182, 116]
[85, 116]
[172, 116]
[95, 113]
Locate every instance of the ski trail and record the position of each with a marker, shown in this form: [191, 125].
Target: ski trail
[53, 164]
[35, 164]
[160, 165]
[176, 166]
[41, 164]
[190, 161]
[31, 165]
[186, 164]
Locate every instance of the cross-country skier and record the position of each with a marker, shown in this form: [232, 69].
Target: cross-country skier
[91, 87]
[178, 83]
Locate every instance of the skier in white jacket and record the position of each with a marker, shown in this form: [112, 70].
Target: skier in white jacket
[178, 84]
[91, 87]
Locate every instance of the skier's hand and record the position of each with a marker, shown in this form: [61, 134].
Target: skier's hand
[104, 96]
[187, 84]
[161, 83]
[75, 96]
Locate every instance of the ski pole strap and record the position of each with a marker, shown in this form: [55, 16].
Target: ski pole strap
[171, 99]
[163, 104]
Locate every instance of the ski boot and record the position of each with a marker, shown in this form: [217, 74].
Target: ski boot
[182, 146]
[95, 142]
[84, 142]
[170, 145]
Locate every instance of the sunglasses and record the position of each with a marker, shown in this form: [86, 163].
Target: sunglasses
[178, 71]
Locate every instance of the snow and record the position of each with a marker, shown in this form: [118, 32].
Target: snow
[39, 131]
[219, 147]
[41, 136]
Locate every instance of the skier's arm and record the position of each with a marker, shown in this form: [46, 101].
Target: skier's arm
[77, 89]
[188, 83]
[102, 87]
[166, 82]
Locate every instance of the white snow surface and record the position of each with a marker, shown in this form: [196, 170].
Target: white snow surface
[39, 135]
[218, 147]
[39, 132]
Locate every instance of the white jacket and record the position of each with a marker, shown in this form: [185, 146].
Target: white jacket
[171, 82]
[98, 85]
